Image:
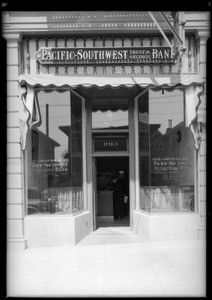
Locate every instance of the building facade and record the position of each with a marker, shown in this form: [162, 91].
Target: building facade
[93, 93]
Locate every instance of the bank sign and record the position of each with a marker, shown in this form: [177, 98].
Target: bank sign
[114, 55]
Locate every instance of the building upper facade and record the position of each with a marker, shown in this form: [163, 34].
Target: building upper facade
[99, 21]
[114, 30]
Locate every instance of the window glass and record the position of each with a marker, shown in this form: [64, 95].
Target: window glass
[54, 156]
[166, 152]
[110, 114]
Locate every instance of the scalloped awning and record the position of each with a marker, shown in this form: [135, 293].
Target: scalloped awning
[147, 80]
[30, 115]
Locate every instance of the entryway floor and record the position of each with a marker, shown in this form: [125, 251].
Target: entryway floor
[111, 235]
[110, 262]
[116, 232]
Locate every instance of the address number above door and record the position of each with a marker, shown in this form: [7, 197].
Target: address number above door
[108, 144]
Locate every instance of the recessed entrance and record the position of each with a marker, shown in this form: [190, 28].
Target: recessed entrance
[112, 195]
[110, 146]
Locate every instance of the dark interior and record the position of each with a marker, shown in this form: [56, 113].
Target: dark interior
[105, 166]
[109, 164]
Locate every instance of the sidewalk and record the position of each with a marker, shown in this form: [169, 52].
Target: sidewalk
[112, 261]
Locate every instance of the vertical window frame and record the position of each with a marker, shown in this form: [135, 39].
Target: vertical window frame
[35, 145]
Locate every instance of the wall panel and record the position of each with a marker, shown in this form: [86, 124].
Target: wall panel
[14, 228]
[14, 196]
[14, 181]
[14, 211]
[13, 135]
[14, 165]
[13, 150]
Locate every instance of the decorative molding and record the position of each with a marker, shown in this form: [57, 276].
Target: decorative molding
[83, 21]
[203, 36]
[13, 37]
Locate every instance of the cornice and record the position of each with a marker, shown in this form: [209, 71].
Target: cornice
[198, 22]
[83, 22]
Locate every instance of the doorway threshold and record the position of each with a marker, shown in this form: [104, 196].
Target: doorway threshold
[111, 235]
[124, 222]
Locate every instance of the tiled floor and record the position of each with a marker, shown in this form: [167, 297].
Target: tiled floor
[112, 261]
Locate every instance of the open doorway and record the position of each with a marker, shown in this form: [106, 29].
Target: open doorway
[112, 190]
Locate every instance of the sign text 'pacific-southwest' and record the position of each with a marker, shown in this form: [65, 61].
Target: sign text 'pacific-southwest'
[47, 55]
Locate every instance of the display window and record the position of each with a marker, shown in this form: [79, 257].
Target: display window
[166, 153]
[54, 159]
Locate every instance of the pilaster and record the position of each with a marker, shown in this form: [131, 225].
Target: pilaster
[15, 184]
[201, 113]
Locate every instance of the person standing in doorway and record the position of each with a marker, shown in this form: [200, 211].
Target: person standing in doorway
[118, 197]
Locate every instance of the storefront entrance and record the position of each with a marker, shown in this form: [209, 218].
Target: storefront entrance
[111, 191]
[85, 97]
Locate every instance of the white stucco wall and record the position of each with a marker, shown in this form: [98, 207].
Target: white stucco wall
[164, 227]
[56, 230]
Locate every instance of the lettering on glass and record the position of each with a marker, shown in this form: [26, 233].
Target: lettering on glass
[47, 55]
[172, 163]
[50, 166]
